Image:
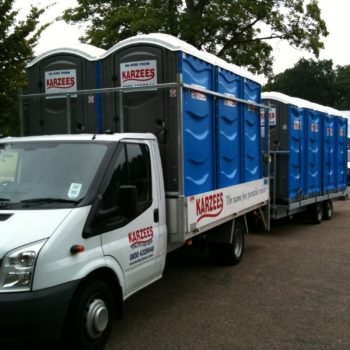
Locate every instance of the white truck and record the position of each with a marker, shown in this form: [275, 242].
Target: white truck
[85, 223]
[87, 220]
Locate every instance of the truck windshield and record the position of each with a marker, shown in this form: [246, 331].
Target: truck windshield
[47, 174]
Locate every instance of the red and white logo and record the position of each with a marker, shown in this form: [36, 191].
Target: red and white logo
[61, 80]
[140, 73]
[61, 83]
[141, 236]
[209, 206]
[297, 125]
[314, 127]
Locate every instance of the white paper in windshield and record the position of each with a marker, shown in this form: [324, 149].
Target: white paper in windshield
[74, 190]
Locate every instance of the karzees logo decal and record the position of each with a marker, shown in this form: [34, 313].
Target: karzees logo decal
[138, 73]
[62, 83]
[209, 206]
[141, 236]
[141, 245]
[61, 80]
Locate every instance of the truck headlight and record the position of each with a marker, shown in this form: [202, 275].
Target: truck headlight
[17, 269]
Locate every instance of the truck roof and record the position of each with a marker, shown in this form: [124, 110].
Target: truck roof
[82, 137]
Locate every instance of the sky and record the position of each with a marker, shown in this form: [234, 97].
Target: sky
[334, 12]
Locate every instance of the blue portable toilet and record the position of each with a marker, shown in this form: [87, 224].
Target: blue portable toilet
[296, 162]
[237, 126]
[198, 125]
[308, 144]
[341, 151]
[329, 151]
[200, 151]
[229, 126]
[312, 133]
[251, 91]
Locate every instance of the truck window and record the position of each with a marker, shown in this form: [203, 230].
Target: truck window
[47, 174]
[132, 167]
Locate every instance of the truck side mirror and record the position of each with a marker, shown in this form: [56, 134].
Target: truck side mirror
[128, 200]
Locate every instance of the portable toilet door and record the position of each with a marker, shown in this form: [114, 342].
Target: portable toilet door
[285, 118]
[198, 126]
[228, 129]
[312, 132]
[329, 154]
[296, 156]
[132, 64]
[278, 134]
[252, 157]
[141, 64]
[63, 70]
[341, 150]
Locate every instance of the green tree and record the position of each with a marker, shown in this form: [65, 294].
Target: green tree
[231, 29]
[308, 79]
[342, 87]
[17, 40]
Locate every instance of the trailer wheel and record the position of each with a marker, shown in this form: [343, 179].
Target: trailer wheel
[327, 210]
[316, 213]
[90, 320]
[229, 253]
[237, 245]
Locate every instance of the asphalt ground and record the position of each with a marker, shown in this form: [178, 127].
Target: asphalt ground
[290, 291]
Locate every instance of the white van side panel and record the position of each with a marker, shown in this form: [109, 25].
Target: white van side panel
[56, 264]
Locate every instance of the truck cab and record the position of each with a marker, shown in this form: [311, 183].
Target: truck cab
[82, 222]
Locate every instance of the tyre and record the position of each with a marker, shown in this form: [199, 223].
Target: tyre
[316, 213]
[327, 210]
[90, 318]
[229, 253]
[237, 246]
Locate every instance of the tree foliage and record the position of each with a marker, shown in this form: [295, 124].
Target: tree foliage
[239, 31]
[17, 40]
[315, 81]
[308, 79]
[342, 87]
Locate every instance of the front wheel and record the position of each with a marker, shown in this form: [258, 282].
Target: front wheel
[90, 320]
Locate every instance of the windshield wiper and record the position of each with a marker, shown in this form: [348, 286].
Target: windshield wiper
[4, 202]
[48, 200]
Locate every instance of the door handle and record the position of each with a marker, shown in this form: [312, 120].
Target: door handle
[156, 215]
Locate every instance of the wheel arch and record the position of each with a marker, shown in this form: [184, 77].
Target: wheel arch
[223, 232]
[226, 245]
[107, 275]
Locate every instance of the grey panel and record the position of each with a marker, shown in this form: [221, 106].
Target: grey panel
[49, 115]
[32, 116]
[279, 141]
[152, 111]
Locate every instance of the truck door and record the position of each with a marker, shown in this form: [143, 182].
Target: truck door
[132, 239]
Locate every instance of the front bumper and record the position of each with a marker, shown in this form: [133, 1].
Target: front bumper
[36, 316]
